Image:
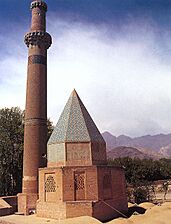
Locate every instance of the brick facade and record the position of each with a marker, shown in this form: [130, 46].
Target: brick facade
[90, 190]
[77, 165]
[35, 130]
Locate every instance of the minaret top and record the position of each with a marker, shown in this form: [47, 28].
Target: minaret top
[37, 36]
[38, 3]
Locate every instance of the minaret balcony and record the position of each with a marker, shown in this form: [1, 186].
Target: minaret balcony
[38, 38]
[39, 4]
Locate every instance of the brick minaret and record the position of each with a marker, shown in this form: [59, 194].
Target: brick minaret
[35, 135]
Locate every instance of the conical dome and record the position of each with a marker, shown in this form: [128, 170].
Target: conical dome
[75, 124]
[76, 141]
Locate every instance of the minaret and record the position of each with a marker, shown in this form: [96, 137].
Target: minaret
[35, 132]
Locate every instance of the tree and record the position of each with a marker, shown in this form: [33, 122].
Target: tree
[50, 128]
[141, 174]
[11, 149]
[165, 188]
[140, 194]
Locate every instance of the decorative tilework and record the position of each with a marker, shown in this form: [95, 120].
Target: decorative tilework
[37, 59]
[55, 152]
[75, 124]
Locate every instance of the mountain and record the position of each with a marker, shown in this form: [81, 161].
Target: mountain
[124, 151]
[150, 153]
[153, 142]
[110, 140]
[166, 151]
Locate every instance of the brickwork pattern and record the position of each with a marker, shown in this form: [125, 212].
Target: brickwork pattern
[35, 130]
[93, 180]
[107, 181]
[79, 181]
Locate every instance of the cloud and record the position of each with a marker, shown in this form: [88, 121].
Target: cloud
[121, 76]
[12, 69]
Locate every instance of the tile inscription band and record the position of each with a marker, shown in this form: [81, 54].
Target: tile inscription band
[37, 59]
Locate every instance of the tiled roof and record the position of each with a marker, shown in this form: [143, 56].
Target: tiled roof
[75, 124]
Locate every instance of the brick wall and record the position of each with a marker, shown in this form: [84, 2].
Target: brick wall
[98, 150]
[99, 192]
[91, 191]
[51, 210]
[27, 202]
[76, 209]
[78, 154]
[55, 194]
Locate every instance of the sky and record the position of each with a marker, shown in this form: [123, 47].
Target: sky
[115, 53]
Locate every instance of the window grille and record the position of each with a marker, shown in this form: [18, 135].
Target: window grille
[79, 181]
[50, 184]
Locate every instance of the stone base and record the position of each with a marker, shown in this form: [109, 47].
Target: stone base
[100, 210]
[63, 210]
[27, 203]
[68, 192]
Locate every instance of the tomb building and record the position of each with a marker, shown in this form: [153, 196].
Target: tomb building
[77, 180]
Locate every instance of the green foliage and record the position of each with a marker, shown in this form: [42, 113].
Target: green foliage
[11, 149]
[140, 175]
[50, 128]
[138, 172]
[165, 188]
[140, 195]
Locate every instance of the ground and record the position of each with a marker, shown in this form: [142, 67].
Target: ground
[17, 219]
[155, 214]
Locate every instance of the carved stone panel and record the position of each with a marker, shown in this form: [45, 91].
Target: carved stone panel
[50, 188]
[50, 184]
[79, 183]
[78, 152]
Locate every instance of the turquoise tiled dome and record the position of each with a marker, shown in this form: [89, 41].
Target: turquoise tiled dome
[75, 124]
